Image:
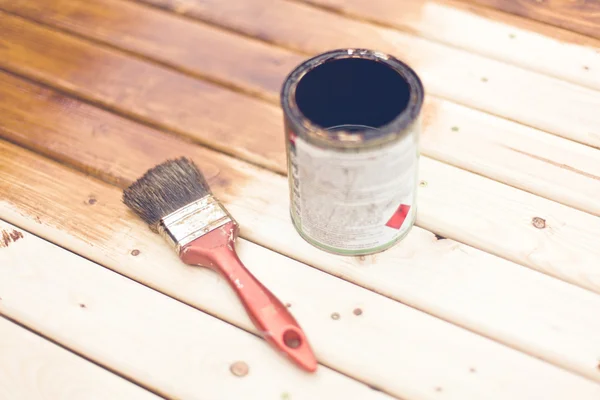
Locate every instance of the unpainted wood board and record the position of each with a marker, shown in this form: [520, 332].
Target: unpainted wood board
[546, 165]
[455, 282]
[473, 80]
[154, 340]
[581, 16]
[538, 47]
[396, 348]
[32, 368]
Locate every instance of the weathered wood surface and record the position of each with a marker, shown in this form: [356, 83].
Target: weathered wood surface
[207, 73]
[581, 16]
[542, 164]
[401, 361]
[107, 146]
[34, 368]
[471, 204]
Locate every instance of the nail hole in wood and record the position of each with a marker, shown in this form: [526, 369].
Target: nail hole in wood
[239, 368]
[357, 311]
[335, 316]
[81, 305]
[92, 201]
[538, 222]
[135, 252]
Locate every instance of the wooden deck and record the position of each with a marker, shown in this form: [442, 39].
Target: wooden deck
[495, 294]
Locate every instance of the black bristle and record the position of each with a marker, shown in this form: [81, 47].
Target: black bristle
[165, 188]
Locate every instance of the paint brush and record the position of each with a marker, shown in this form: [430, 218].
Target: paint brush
[174, 199]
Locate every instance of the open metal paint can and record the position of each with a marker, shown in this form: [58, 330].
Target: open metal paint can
[352, 131]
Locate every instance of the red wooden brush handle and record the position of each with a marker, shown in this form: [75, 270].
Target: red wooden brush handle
[275, 323]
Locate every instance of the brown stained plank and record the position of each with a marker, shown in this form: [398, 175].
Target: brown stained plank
[581, 16]
[480, 144]
[234, 123]
[199, 49]
[98, 142]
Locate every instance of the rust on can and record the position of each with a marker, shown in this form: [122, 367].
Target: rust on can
[352, 125]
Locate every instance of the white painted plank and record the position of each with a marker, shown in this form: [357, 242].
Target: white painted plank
[401, 350]
[514, 154]
[32, 368]
[152, 339]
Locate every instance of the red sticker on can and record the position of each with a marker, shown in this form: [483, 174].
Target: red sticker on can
[398, 217]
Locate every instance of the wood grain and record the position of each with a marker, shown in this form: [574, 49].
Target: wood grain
[542, 164]
[399, 346]
[198, 49]
[455, 282]
[478, 82]
[34, 368]
[147, 91]
[538, 47]
[536, 249]
[152, 339]
[579, 16]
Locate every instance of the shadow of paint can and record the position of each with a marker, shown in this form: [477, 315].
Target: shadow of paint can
[352, 125]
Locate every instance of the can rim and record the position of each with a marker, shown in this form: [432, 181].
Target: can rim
[340, 138]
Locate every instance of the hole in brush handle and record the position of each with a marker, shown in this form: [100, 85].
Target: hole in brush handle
[292, 339]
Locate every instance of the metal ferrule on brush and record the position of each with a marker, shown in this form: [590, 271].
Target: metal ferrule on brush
[193, 221]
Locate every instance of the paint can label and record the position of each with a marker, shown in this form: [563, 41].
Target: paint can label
[353, 202]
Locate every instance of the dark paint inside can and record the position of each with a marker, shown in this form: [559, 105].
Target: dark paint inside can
[355, 93]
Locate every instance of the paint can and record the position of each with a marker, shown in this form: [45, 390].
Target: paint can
[352, 125]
